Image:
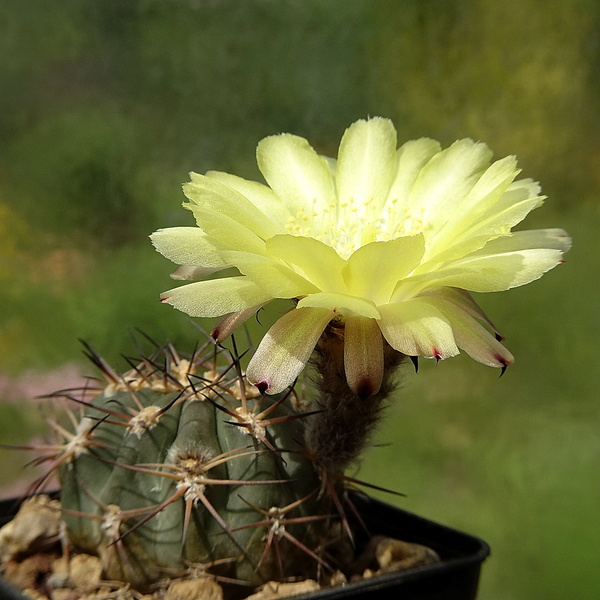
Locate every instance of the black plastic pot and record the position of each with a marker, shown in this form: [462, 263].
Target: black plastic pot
[456, 577]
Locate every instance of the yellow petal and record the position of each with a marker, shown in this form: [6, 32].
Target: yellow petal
[216, 297]
[285, 349]
[187, 246]
[416, 328]
[501, 264]
[298, 175]
[230, 322]
[494, 223]
[187, 272]
[363, 355]
[262, 196]
[446, 179]
[493, 273]
[341, 304]
[554, 239]
[272, 275]
[519, 199]
[366, 163]
[374, 270]
[412, 157]
[471, 336]
[316, 261]
[462, 300]
[332, 164]
[210, 194]
[226, 232]
[486, 192]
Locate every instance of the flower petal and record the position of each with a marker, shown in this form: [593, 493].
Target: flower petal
[285, 349]
[464, 301]
[341, 304]
[262, 196]
[318, 262]
[212, 195]
[366, 163]
[374, 270]
[502, 271]
[332, 164]
[189, 272]
[416, 328]
[494, 268]
[487, 190]
[230, 322]
[216, 297]
[412, 157]
[507, 262]
[225, 231]
[363, 355]
[273, 276]
[496, 222]
[532, 239]
[187, 246]
[447, 179]
[519, 199]
[474, 339]
[298, 175]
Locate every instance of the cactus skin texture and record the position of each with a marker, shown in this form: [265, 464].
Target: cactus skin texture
[180, 462]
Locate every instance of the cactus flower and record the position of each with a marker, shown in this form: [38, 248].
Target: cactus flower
[384, 241]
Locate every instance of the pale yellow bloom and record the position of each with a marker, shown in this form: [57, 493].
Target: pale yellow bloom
[387, 240]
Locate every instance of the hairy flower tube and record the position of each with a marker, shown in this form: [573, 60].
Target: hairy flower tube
[386, 242]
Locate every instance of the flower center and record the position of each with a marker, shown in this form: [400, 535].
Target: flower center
[347, 226]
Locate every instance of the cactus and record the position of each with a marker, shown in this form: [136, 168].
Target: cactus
[180, 462]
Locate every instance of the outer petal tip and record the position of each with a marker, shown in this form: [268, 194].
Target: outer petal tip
[262, 386]
[363, 356]
[503, 362]
[286, 348]
[365, 388]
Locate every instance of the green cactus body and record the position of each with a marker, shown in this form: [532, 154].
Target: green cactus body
[180, 465]
[162, 478]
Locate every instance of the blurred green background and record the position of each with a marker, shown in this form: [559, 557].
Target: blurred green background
[105, 105]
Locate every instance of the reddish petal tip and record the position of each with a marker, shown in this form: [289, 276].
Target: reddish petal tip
[262, 386]
[437, 355]
[502, 360]
[365, 388]
[165, 299]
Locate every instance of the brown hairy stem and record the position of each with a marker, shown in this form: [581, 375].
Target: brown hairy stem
[339, 433]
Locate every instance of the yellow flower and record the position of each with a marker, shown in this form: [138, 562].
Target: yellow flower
[386, 241]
